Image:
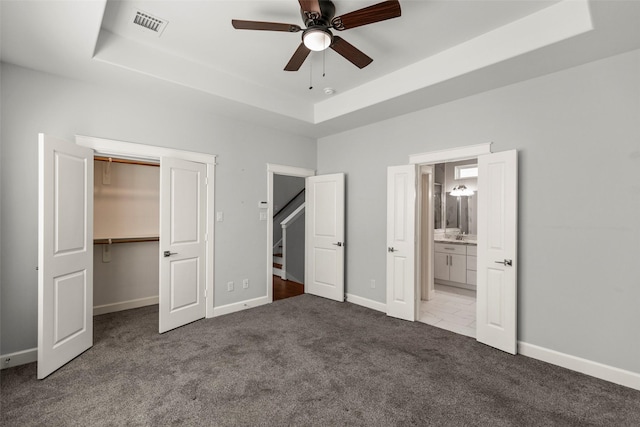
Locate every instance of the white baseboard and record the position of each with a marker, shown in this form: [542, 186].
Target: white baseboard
[18, 358]
[239, 306]
[365, 302]
[588, 367]
[125, 305]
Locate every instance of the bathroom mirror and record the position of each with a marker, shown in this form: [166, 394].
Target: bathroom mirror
[453, 211]
[461, 213]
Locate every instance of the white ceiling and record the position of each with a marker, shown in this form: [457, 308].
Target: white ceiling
[435, 52]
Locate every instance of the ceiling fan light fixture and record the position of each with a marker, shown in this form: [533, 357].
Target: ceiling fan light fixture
[317, 39]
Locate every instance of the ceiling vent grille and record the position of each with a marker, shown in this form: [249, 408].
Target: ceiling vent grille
[150, 22]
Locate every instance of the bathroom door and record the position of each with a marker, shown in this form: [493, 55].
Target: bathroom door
[401, 216]
[497, 244]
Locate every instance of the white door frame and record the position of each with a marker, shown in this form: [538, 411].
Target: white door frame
[273, 169]
[427, 159]
[114, 148]
[425, 245]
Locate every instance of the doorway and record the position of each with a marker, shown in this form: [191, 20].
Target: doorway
[449, 294]
[286, 196]
[288, 236]
[496, 256]
[126, 232]
[66, 241]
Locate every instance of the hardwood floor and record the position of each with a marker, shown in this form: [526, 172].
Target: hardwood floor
[286, 288]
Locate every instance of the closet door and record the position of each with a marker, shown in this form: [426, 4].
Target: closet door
[65, 253]
[183, 203]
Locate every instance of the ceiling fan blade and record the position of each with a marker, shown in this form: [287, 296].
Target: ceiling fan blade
[265, 26]
[350, 52]
[310, 6]
[368, 15]
[298, 58]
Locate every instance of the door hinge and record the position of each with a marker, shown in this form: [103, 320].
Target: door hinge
[205, 293]
[206, 180]
[206, 237]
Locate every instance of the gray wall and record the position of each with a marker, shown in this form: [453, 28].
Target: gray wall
[33, 102]
[295, 250]
[285, 188]
[578, 137]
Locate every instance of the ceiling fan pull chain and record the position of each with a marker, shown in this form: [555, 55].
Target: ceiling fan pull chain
[324, 55]
[310, 75]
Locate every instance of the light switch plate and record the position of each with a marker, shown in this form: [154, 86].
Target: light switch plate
[263, 216]
[219, 216]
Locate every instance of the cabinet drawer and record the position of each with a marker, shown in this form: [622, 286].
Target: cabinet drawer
[451, 248]
[472, 250]
[471, 277]
[472, 262]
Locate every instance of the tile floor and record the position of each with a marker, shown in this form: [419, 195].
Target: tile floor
[453, 312]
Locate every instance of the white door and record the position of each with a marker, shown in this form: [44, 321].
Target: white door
[65, 252]
[497, 244]
[183, 203]
[324, 236]
[401, 213]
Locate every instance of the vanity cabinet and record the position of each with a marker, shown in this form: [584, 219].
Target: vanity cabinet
[472, 265]
[455, 264]
[450, 262]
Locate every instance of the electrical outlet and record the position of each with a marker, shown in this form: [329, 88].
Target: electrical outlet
[106, 253]
[373, 284]
[245, 284]
[230, 286]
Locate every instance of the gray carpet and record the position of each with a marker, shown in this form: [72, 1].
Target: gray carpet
[304, 361]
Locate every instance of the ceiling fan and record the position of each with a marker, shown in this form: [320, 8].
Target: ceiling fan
[319, 18]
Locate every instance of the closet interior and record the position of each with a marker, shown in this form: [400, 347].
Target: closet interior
[126, 234]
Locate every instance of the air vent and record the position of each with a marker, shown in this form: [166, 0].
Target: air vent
[150, 22]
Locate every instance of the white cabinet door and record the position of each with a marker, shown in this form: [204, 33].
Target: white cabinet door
[458, 268]
[497, 244]
[324, 236]
[65, 253]
[183, 204]
[441, 266]
[401, 208]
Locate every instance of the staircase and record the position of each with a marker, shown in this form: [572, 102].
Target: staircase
[277, 263]
[284, 266]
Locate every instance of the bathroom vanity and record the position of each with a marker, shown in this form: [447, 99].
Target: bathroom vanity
[455, 263]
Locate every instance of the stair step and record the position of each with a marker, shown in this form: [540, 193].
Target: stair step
[276, 265]
[278, 255]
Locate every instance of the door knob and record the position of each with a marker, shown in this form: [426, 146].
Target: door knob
[506, 262]
[391, 249]
[169, 253]
[337, 244]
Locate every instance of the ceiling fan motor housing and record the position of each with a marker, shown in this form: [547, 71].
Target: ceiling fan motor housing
[312, 19]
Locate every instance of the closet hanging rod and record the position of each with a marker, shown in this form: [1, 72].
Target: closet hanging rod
[128, 161]
[125, 240]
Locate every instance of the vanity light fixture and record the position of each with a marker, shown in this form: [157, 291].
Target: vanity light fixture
[461, 190]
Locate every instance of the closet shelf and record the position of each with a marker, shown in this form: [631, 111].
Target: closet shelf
[127, 161]
[108, 241]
